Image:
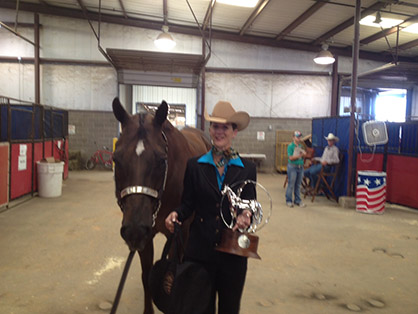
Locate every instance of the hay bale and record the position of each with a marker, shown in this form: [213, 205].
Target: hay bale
[74, 160]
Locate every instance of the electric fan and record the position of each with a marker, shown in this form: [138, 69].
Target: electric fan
[375, 133]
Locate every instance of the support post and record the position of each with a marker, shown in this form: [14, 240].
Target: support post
[37, 63]
[334, 90]
[353, 97]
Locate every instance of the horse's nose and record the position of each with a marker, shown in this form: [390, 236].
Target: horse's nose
[135, 236]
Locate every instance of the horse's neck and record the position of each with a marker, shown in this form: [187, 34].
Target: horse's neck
[177, 142]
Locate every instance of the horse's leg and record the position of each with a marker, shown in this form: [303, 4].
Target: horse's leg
[147, 258]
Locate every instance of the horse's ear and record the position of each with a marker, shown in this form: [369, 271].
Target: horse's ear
[161, 114]
[118, 110]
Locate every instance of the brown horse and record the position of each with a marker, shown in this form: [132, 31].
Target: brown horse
[150, 161]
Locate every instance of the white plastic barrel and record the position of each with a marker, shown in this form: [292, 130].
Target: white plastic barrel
[50, 178]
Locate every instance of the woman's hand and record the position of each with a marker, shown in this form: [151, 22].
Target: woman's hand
[243, 220]
[170, 220]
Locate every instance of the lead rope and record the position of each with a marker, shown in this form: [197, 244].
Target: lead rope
[122, 282]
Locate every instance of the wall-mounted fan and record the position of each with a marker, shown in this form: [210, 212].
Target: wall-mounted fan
[375, 133]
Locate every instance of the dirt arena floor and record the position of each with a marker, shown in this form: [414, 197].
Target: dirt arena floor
[65, 255]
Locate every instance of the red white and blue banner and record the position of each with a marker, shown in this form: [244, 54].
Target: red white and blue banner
[371, 192]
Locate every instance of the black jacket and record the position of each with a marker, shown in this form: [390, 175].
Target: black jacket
[202, 197]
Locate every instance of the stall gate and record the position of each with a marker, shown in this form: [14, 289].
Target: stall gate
[398, 158]
[28, 133]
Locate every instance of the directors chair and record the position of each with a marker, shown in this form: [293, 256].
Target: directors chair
[326, 181]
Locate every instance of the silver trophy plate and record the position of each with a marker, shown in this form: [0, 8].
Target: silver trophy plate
[244, 241]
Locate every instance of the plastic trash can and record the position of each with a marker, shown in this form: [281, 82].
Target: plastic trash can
[50, 178]
[371, 192]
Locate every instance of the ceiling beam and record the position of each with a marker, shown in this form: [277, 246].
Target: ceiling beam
[82, 6]
[123, 9]
[20, 25]
[339, 28]
[257, 11]
[302, 18]
[389, 31]
[208, 14]
[13, 31]
[107, 18]
[408, 45]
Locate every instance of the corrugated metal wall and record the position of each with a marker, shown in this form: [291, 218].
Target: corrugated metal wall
[173, 96]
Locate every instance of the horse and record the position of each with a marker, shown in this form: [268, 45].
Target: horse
[150, 160]
[238, 205]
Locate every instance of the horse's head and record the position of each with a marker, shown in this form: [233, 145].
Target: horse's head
[140, 172]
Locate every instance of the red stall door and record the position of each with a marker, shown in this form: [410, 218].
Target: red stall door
[21, 170]
[4, 173]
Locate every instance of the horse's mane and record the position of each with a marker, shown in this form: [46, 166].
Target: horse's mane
[194, 138]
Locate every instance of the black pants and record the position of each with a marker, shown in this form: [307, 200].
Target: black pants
[227, 274]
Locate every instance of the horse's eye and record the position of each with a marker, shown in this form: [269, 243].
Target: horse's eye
[160, 160]
[116, 158]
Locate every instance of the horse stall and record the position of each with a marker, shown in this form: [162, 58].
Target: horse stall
[398, 158]
[29, 133]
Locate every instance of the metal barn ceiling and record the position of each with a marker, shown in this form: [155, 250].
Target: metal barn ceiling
[294, 24]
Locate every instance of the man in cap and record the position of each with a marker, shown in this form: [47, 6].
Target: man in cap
[329, 157]
[295, 153]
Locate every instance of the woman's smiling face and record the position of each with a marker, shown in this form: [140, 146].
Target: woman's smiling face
[222, 134]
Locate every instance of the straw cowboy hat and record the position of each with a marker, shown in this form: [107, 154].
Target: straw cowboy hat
[223, 112]
[331, 137]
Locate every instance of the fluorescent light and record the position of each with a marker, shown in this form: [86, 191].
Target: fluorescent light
[240, 3]
[386, 22]
[412, 28]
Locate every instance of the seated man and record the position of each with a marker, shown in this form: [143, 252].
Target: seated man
[329, 157]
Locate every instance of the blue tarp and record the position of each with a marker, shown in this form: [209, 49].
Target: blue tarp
[3, 123]
[402, 139]
[54, 122]
[409, 140]
[321, 127]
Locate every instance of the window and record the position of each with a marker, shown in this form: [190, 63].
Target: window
[382, 104]
[391, 105]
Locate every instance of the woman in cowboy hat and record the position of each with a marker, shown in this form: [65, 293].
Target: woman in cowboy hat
[329, 157]
[204, 180]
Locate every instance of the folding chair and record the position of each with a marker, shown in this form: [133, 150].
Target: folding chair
[326, 181]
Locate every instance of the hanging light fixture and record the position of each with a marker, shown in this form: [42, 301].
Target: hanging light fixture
[378, 18]
[165, 41]
[325, 56]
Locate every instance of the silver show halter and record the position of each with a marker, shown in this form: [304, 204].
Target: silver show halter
[139, 189]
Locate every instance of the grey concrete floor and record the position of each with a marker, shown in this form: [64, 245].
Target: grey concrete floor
[65, 255]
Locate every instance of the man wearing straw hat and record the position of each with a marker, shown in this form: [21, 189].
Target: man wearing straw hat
[204, 180]
[329, 157]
